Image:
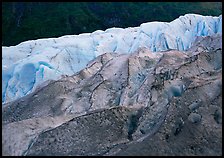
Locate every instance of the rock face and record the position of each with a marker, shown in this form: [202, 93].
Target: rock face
[31, 63]
[145, 103]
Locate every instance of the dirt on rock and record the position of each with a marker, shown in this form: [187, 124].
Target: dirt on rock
[164, 104]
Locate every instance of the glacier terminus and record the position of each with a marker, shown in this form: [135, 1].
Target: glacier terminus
[29, 64]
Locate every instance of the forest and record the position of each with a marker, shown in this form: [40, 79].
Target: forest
[23, 21]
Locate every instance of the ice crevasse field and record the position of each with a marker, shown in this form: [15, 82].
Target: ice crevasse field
[28, 64]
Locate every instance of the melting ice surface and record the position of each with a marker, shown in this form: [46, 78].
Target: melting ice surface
[30, 63]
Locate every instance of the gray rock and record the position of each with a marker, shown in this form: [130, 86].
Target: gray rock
[176, 90]
[194, 118]
[195, 105]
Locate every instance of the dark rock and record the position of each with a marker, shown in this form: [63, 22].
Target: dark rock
[218, 116]
[178, 126]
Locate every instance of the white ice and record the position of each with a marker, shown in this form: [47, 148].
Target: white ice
[30, 63]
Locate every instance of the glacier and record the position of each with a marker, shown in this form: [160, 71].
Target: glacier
[28, 64]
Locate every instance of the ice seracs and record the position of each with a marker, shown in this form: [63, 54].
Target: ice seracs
[30, 63]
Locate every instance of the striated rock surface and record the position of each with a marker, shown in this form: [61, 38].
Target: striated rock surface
[145, 103]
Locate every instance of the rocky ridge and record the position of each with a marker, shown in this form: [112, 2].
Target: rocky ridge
[129, 104]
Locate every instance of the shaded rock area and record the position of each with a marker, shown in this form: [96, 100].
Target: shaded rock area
[164, 103]
[93, 134]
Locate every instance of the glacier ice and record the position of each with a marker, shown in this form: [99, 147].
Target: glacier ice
[30, 63]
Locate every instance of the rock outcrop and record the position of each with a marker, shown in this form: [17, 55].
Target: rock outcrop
[145, 103]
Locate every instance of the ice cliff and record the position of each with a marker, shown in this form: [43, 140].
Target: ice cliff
[28, 64]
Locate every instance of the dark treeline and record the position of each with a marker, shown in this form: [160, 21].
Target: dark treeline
[23, 21]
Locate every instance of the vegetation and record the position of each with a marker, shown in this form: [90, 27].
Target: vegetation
[23, 21]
